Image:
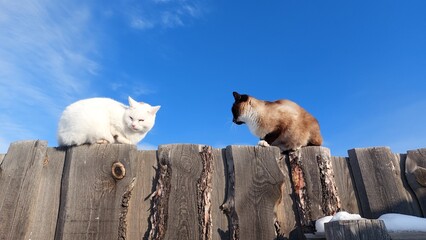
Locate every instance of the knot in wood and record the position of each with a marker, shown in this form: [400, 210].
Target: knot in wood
[118, 170]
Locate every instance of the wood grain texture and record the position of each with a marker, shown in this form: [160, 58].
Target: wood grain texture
[219, 219]
[94, 205]
[258, 184]
[364, 229]
[48, 197]
[415, 172]
[321, 197]
[378, 180]
[407, 235]
[30, 181]
[287, 223]
[345, 184]
[144, 167]
[186, 164]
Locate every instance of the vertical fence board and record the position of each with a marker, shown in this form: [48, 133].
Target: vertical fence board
[94, 203]
[186, 167]
[286, 217]
[377, 176]
[48, 196]
[258, 183]
[345, 184]
[416, 175]
[144, 169]
[319, 196]
[21, 177]
[219, 219]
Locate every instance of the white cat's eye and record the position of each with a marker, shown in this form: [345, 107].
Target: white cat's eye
[131, 118]
[141, 120]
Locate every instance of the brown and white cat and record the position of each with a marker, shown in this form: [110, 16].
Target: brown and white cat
[282, 123]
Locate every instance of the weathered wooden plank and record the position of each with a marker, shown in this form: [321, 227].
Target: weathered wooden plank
[176, 212]
[364, 229]
[257, 191]
[286, 222]
[219, 219]
[48, 197]
[144, 169]
[30, 181]
[379, 183]
[345, 184]
[415, 172]
[314, 184]
[96, 189]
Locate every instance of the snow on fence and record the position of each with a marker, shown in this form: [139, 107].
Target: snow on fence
[189, 191]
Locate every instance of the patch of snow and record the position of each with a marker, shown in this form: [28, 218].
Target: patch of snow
[396, 222]
[319, 224]
[345, 216]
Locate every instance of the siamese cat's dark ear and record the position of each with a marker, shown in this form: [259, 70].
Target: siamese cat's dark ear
[237, 96]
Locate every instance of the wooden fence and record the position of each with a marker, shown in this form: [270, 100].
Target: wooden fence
[188, 191]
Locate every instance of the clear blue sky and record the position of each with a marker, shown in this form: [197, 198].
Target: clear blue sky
[358, 66]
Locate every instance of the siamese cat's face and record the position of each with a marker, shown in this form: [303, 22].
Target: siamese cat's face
[239, 108]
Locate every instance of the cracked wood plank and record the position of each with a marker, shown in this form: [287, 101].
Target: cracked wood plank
[30, 179]
[345, 184]
[314, 184]
[219, 219]
[416, 175]
[287, 223]
[177, 197]
[256, 191]
[379, 181]
[94, 203]
[144, 168]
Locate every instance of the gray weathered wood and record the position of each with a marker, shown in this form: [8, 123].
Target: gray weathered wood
[379, 184]
[94, 204]
[416, 175]
[48, 196]
[287, 222]
[1, 158]
[257, 190]
[185, 164]
[143, 166]
[407, 235]
[29, 197]
[318, 192]
[219, 219]
[364, 229]
[345, 184]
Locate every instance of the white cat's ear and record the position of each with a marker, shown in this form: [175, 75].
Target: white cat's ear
[155, 109]
[132, 103]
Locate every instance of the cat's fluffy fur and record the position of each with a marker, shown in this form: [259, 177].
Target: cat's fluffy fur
[282, 123]
[104, 120]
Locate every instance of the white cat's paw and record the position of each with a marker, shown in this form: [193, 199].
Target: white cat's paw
[102, 141]
[263, 143]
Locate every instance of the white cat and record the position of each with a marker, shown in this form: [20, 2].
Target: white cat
[103, 120]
